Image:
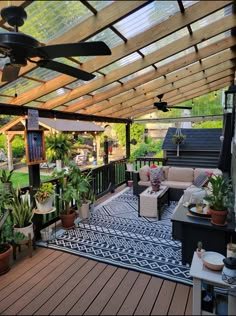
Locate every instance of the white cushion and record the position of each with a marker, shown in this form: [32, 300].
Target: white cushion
[187, 196]
[180, 174]
[143, 173]
[176, 184]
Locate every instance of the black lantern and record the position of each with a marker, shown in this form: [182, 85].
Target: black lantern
[230, 98]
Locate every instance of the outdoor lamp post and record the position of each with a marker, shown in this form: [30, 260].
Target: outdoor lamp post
[230, 98]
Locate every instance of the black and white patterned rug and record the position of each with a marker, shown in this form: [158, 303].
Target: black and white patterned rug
[115, 234]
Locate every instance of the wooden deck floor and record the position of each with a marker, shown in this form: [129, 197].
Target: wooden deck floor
[58, 283]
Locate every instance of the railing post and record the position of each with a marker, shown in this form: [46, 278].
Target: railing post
[127, 127]
[105, 155]
[113, 177]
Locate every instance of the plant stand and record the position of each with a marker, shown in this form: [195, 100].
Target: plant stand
[30, 243]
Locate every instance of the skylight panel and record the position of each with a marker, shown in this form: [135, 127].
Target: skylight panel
[214, 39]
[53, 95]
[84, 97]
[146, 17]
[109, 86]
[137, 74]
[43, 74]
[164, 41]
[75, 84]
[4, 99]
[48, 20]
[187, 3]
[175, 57]
[121, 63]
[99, 5]
[19, 86]
[211, 18]
[33, 104]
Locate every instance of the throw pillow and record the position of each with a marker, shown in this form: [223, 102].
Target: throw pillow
[196, 196]
[201, 180]
[143, 173]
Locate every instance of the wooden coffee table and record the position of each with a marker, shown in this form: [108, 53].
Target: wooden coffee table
[150, 202]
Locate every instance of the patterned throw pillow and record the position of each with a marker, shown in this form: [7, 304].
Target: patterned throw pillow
[201, 180]
[156, 173]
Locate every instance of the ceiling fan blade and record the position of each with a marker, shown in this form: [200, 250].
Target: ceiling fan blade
[71, 49]
[65, 69]
[181, 107]
[10, 72]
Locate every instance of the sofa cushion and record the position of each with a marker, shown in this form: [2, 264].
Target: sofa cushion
[187, 196]
[165, 171]
[143, 173]
[198, 171]
[177, 184]
[180, 174]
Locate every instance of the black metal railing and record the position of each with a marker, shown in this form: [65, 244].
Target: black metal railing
[105, 179]
[141, 161]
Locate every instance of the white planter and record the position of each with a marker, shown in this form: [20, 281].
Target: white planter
[84, 210]
[129, 166]
[59, 165]
[45, 206]
[26, 231]
[46, 233]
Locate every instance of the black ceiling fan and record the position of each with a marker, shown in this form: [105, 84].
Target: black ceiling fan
[20, 48]
[162, 106]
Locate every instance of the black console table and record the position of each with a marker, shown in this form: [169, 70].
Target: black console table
[191, 229]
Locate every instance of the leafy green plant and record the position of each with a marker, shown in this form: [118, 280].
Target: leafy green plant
[219, 193]
[22, 210]
[45, 191]
[6, 176]
[59, 146]
[178, 138]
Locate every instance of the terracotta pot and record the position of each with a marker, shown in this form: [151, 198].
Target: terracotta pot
[67, 220]
[218, 217]
[5, 260]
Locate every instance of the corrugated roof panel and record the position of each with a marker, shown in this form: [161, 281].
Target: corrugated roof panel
[211, 18]
[146, 17]
[84, 97]
[109, 86]
[136, 74]
[48, 20]
[53, 94]
[187, 3]
[19, 86]
[121, 63]
[214, 39]
[99, 5]
[164, 41]
[175, 57]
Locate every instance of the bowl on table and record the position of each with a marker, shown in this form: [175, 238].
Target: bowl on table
[213, 260]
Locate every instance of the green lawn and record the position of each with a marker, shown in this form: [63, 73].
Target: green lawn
[22, 179]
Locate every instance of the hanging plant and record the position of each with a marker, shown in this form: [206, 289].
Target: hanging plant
[177, 139]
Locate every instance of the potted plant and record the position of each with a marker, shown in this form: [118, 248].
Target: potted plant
[178, 139]
[59, 147]
[199, 249]
[220, 197]
[130, 163]
[44, 197]
[22, 212]
[5, 178]
[87, 195]
[5, 233]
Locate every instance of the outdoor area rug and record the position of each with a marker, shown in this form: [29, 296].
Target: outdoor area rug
[114, 234]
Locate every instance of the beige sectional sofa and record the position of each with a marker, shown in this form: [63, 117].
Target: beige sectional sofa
[176, 178]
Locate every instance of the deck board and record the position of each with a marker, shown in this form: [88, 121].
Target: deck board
[59, 283]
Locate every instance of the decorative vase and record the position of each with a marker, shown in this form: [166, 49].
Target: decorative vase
[46, 205]
[155, 187]
[218, 217]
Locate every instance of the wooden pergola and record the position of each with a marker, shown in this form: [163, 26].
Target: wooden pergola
[183, 49]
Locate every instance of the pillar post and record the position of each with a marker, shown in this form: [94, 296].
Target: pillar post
[127, 130]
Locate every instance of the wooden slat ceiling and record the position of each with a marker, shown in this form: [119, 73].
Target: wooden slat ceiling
[183, 49]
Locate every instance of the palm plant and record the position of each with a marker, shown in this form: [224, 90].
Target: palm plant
[22, 210]
[5, 176]
[59, 146]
